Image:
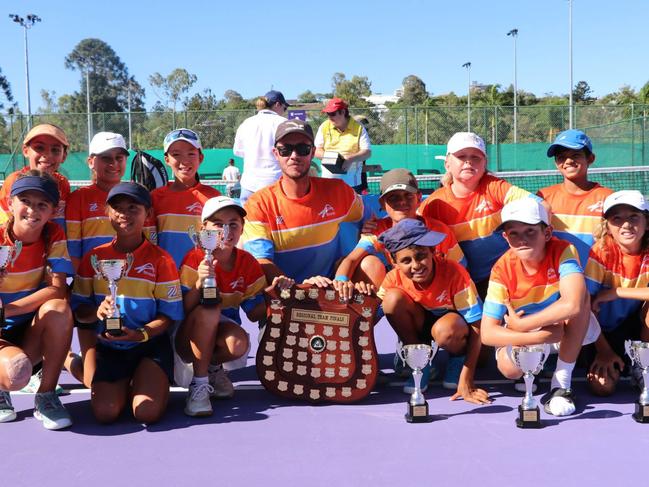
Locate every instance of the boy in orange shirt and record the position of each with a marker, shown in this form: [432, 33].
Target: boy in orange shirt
[426, 296]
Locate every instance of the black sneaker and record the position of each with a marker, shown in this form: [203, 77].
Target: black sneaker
[567, 394]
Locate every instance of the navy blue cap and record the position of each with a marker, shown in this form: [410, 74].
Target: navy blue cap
[275, 97]
[409, 232]
[134, 190]
[570, 139]
[45, 185]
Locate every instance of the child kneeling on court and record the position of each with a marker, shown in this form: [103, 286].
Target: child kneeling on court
[426, 296]
[211, 334]
[537, 287]
[36, 324]
[136, 365]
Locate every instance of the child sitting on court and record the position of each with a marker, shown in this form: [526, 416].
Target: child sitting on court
[211, 335]
[618, 278]
[576, 203]
[45, 147]
[428, 297]
[537, 288]
[135, 365]
[178, 205]
[36, 321]
[400, 197]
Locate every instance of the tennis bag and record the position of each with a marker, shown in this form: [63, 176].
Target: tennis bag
[316, 347]
[148, 171]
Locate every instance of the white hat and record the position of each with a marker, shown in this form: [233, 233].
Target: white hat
[218, 203]
[465, 140]
[629, 197]
[526, 210]
[181, 134]
[105, 141]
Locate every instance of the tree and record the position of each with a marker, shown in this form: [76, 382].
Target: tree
[173, 86]
[307, 97]
[582, 93]
[624, 96]
[352, 90]
[5, 89]
[414, 91]
[643, 94]
[110, 81]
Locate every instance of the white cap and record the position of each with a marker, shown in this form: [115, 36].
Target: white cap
[105, 141]
[629, 197]
[526, 210]
[218, 203]
[465, 140]
[181, 134]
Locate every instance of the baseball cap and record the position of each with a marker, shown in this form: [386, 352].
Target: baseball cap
[525, 210]
[182, 134]
[465, 140]
[274, 96]
[218, 203]
[629, 197]
[43, 184]
[47, 129]
[334, 105]
[136, 191]
[408, 232]
[105, 141]
[570, 139]
[396, 179]
[293, 126]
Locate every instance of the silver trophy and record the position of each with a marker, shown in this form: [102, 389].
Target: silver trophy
[112, 270]
[638, 351]
[530, 360]
[417, 357]
[8, 255]
[209, 240]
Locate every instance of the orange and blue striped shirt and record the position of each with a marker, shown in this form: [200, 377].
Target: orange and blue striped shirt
[474, 220]
[529, 293]
[575, 217]
[301, 236]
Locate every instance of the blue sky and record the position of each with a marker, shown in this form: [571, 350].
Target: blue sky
[293, 46]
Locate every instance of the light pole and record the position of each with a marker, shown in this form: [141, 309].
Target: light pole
[571, 102]
[26, 24]
[468, 109]
[514, 34]
[87, 65]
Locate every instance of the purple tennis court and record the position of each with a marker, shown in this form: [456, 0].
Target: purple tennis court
[259, 438]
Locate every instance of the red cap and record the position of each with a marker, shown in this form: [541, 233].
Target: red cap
[334, 105]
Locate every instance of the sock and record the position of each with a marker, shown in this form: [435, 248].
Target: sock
[197, 381]
[562, 376]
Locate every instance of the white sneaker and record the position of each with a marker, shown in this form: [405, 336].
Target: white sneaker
[222, 387]
[35, 383]
[7, 412]
[49, 410]
[198, 400]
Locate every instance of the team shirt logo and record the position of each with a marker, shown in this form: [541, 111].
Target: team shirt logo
[172, 291]
[146, 269]
[92, 207]
[552, 274]
[279, 220]
[483, 206]
[194, 208]
[237, 283]
[328, 210]
[442, 297]
[596, 207]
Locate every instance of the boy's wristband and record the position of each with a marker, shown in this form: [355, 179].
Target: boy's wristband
[145, 335]
[341, 277]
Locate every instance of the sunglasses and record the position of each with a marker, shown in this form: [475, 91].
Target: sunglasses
[301, 149]
[333, 114]
[182, 133]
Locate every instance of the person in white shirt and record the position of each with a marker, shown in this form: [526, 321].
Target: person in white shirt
[255, 140]
[232, 175]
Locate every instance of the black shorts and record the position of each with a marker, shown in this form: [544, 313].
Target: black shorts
[425, 335]
[15, 334]
[115, 364]
[629, 329]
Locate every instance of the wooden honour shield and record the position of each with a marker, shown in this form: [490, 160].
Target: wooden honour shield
[318, 348]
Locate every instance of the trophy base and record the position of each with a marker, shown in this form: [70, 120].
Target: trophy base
[641, 414]
[528, 418]
[114, 326]
[418, 414]
[210, 296]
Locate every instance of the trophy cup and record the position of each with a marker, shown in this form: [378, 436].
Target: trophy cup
[8, 255]
[638, 351]
[530, 360]
[417, 357]
[209, 240]
[112, 270]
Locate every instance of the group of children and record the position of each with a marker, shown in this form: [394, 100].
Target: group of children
[475, 263]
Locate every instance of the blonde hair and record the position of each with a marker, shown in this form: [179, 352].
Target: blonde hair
[604, 240]
[261, 103]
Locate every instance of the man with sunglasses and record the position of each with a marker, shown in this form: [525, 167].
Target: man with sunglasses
[342, 134]
[292, 226]
[254, 143]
